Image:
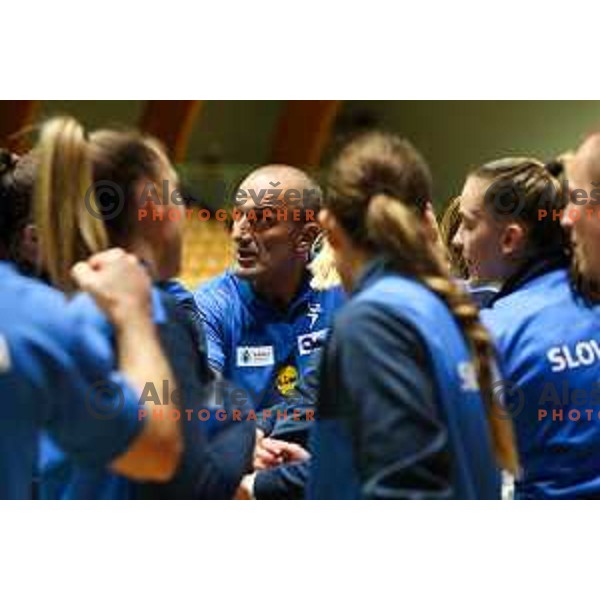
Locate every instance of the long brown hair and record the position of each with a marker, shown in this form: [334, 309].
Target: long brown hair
[85, 190]
[379, 189]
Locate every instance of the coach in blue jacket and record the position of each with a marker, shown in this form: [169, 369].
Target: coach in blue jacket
[263, 320]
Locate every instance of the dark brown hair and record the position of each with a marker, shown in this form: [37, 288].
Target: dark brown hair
[518, 189]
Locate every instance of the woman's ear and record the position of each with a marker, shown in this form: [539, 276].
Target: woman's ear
[513, 239]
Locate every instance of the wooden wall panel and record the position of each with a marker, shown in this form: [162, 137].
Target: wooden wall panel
[15, 117]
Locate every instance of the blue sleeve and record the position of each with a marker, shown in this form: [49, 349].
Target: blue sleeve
[213, 317]
[287, 482]
[210, 469]
[91, 410]
[187, 311]
[379, 384]
[217, 453]
[178, 291]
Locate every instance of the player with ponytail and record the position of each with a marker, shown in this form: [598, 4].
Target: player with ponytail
[54, 360]
[91, 192]
[406, 403]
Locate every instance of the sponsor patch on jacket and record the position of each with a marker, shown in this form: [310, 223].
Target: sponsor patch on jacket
[255, 356]
[287, 379]
[309, 342]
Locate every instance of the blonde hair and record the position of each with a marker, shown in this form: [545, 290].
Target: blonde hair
[66, 233]
[72, 219]
[373, 185]
[322, 267]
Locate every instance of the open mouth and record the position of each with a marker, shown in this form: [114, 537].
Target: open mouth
[245, 259]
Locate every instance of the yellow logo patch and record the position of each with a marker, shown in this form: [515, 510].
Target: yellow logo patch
[287, 379]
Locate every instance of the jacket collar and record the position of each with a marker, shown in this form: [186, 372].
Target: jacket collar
[533, 268]
[372, 272]
[256, 302]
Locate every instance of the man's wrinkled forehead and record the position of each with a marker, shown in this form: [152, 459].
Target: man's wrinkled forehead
[271, 185]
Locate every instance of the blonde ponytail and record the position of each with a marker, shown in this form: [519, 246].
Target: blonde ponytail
[66, 212]
[395, 230]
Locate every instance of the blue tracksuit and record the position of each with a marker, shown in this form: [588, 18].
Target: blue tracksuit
[51, 356]
[548, 339]
[217, 453]
[260, 349]
[269, 353]
[399, 412]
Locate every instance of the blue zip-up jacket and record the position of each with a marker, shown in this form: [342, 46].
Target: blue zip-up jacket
[399, 412]
[548, 338]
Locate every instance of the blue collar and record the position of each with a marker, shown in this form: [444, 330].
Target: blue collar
[373, 271]
[256, 303]
[534, 268]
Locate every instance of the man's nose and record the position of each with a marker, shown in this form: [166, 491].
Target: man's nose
[241, 230]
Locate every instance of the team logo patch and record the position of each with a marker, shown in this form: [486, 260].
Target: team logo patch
[309, 342]
[4, 356]
[287, 379]
[255, 356]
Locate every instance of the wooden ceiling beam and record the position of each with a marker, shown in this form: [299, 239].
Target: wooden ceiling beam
[303, 130]
[171, 121]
